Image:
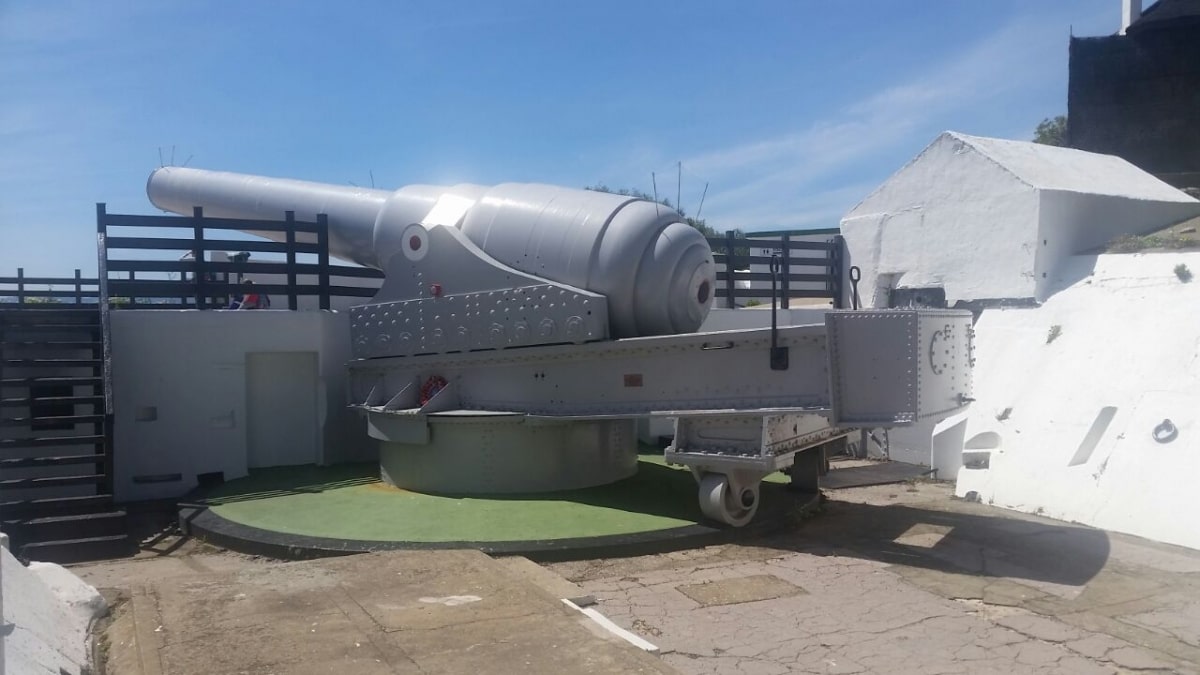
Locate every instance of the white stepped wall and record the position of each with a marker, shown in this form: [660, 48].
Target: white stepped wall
[46, 611]
[1130, 339]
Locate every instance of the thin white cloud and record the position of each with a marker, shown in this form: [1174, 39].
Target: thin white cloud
[760, 183]
[819, 209]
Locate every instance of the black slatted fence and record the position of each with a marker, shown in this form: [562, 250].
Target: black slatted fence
[196, 282]
[809, 265]
[26, 291]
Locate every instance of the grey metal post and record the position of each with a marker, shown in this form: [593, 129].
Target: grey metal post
[290, 217]
[836, 282]
[323, 259]
[198, 256]
[785, 271]
[729, 267]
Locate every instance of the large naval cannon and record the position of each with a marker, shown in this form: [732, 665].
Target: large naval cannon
[652, 272]
[522, 329]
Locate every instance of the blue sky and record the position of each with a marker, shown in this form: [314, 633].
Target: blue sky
[791, 111]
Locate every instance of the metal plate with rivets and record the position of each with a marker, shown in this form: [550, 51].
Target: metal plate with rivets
[515, 317]
[443, 294]
[895, 367]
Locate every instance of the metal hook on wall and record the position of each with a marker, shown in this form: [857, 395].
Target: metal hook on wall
[855, 277]
[1165, 432]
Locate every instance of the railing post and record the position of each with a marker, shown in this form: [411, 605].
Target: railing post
[785, 271]
[198, 256]
[20, 285]
[78, 287]
[836, 283]
[105, 344]
[132, 296]
[323, 259]
[101, 254]
[730, 285]
[290, 216]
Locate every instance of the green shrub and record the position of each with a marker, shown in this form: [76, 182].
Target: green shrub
[1132, 243]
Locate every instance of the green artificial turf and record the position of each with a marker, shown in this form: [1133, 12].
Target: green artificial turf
[350, 502]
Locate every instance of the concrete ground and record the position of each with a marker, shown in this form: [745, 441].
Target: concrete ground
[201, 612]
[906, 579]
[887, 579]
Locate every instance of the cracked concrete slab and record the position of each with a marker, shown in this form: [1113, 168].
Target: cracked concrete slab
[915, 582]
[886, 580]
[1181, 623]
[753, 588]
[397, 612]
[1040, 627]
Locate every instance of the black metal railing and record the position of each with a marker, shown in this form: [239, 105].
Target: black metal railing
[810, 266]
[816, 272]
[106, 370]
[26, 291]
[196, 282]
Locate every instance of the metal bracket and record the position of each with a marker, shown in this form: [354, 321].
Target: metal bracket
[408, 397]
[445, 399]
[779, 355]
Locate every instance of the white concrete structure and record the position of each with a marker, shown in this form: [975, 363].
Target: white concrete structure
[1065, 427]
[45, 614]
[227, 391]
[985, 219]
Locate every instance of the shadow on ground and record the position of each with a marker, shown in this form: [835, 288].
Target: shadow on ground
[973, 540]
[291, 480]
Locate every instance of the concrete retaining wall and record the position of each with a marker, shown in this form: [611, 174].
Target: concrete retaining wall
[183, 396]
[1065, 426]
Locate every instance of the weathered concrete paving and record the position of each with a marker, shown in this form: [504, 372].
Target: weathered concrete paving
[890, 579]
[398, 612]
[897, 579]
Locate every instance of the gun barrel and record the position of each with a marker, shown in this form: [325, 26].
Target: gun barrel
[656, 271]
[351, 210]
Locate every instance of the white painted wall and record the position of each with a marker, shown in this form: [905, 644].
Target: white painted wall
[912, 444]
[951, 218]
[1072, 223]
[187, 370]
[993, 219]
[48, 610]
[1130, 338]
